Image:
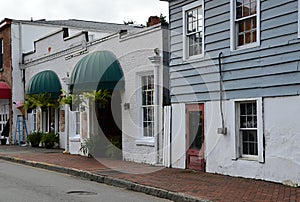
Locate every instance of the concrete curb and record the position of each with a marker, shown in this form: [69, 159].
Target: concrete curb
[161, 193]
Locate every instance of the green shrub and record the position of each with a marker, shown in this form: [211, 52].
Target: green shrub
[49, 139]
[100, 146]
[34, 138]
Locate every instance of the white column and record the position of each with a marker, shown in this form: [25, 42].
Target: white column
[156, 60]
[67, 82]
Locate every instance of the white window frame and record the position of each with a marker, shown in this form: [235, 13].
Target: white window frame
[298, 18]
[141, 139]
[184, 31]
[233, 30]
[147, 106]
[236, 143]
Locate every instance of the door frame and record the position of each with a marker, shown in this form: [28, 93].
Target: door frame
[194, 152]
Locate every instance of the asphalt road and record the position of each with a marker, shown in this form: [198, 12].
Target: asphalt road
[19, 183]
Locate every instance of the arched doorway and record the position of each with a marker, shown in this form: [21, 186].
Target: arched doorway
[101, 71]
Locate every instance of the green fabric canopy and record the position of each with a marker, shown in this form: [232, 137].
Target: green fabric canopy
[98, 70]
[44, 82]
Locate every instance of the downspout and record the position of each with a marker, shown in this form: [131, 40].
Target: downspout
[221, 130]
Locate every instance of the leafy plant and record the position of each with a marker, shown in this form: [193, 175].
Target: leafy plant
[67, 99]
[34, 138]
[49, 139]
[100, 146]
[101, 96]
[163, 19]
[42, 100]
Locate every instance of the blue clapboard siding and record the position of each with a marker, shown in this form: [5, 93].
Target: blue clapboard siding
[272, 69]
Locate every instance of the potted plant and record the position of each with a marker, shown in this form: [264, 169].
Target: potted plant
[34, 138]
[49, 139]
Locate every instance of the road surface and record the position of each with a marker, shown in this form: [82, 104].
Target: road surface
[21, 183]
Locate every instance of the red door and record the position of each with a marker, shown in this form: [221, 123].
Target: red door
[195, 137]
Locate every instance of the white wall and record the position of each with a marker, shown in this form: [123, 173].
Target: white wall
[178, 139]
[282, 142]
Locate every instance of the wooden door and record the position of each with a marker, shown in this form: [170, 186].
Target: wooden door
[195, 137]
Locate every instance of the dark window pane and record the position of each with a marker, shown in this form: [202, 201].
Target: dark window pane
[249, 108]
[242, 109]
[245, 148]
[248, 24]
[254, 121]
[239, 11]
[253, 23]
[249, 142]
[241, 40]
[249, 122]
[253, 7]
[246, 10]
[245, 136]
[195, 130]
[254, 108]
[254, 36]
[243, 122]
[190, 28]
[248, 38]
[241, 26]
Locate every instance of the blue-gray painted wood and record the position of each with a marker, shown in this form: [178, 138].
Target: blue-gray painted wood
[271, 69]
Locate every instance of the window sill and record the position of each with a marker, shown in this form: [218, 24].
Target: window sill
[252, 158]
[245, 47]
[146, 141]
[193, 58]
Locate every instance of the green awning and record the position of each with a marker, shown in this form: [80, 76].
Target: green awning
[44, 82]
[98, 70]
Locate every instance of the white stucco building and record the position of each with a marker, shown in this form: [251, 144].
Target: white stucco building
[135, 75]
[17, 37]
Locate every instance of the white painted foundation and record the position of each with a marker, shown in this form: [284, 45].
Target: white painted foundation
[281, 130]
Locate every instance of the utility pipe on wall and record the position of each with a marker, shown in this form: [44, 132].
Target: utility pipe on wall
[221, 130]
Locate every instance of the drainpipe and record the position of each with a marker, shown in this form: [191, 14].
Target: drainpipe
[223, 129]
[156, 60]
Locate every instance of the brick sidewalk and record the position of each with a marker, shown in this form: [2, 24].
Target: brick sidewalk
[202, 185]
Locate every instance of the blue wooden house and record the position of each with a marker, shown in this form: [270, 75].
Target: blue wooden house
[235, 85]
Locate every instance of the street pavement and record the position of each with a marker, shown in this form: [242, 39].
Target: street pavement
[174, 184]
[21, 183]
